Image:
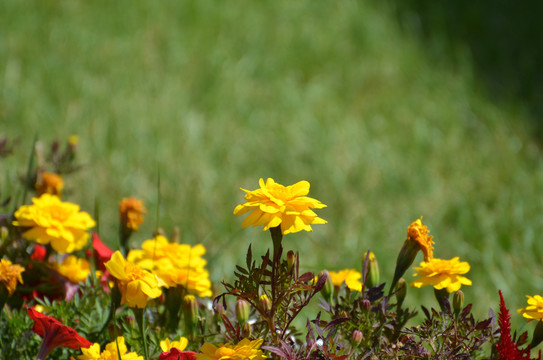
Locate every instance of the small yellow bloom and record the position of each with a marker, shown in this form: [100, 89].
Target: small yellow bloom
[166, 345]
[442, 274]
[73, 268]
[10, 274]
[53, 221]
[135, 284]
[50, 183]
[244, 350]
[350, 277]
[534, 310]
[131, 212]
[417, 232]
[175, 264]
[274, 204]
[110, 352]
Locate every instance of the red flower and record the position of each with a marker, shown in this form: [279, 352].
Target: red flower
[102, 253]
[39, 252]
[54, 334]
[176, 354]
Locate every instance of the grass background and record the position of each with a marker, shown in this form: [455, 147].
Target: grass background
[386, 124]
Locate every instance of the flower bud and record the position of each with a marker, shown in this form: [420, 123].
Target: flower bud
[242, 311]
[458, 302]
[372, 278]
[246, 330]
[190, 312]
[265, 303]
[4, 234]
[401, 291]
[365, 304]
[357, 338]
[328, 289]
[291, 259]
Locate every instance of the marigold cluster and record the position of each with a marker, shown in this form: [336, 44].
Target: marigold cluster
[52, 221]
[244, 350]
[175, 264]
[442, 274]
[135, 284]
[131, 212]
[10, 274]
[277, 205]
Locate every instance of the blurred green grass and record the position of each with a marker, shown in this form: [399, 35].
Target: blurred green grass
[214, 96]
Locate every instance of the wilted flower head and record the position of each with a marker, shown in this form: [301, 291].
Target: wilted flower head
[175, 264]
[73, 268]
[534, 310]
[135, 284]
[49, 183]
[274, 204]
[55, 334]
[110, 352]
[10, 274]
[418, 233]
[350, 277]
[244, 350]
[442, 274]
[131, 212]
[53, 221]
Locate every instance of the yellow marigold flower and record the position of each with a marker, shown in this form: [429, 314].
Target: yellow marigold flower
[418, 233]
[131, 212]
[56, 222]
[135, 284]
[175, 264]
[166, 345]
[350, 277]
[442, 274]
[110, 352]
[50, 183]
[10, 274]
[244, 350]
[274, 204]
[73, 268]
[534, 310]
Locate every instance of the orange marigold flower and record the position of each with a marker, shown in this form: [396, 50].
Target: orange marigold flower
[131, 212]
[350, 277]
[52, 221]
[10, 274]
[274, 204]
[534, 310]
[417, 232]
[50, 183]
[135, 284]
[442, 274]
[244, 350]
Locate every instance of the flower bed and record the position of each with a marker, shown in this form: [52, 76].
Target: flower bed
[64, 296]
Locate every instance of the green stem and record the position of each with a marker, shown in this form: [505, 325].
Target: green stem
[277, 237]
[140, 319]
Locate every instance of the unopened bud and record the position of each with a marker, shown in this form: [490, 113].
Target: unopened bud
[328, 288]
[265, 303]
[190, 312]
[4, 233]
[401, 291]
[291, 259]
[246, 330]
[357, 338]
[458, 301]
[372, 278]
[365, 304]
[242, 311]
